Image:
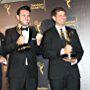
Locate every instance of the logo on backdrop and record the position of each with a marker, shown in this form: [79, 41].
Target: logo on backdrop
[7, 7]
[68, 3]
[39, 5]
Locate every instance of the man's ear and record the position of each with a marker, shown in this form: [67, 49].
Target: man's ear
[53, 17]
[17, 16]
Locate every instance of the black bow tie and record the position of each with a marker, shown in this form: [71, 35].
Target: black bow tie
[24, 29]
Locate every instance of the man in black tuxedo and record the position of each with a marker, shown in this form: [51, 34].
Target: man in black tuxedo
[61, 45]
[20, 44]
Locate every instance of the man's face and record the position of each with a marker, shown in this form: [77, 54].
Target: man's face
[60, 18]
[24, 17]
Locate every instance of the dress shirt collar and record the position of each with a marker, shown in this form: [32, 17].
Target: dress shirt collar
[63, 29]
[58, 28]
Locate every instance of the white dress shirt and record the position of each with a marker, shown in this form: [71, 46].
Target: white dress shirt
[26, 35]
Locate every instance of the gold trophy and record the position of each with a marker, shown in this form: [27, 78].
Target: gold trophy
[25, 46]
[39, 32]
[37, 25]
[71, 54]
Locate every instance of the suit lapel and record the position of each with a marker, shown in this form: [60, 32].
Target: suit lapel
[57, 37]
[15, 34]
[30, 34]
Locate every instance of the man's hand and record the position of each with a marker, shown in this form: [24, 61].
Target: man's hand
[67, 49]
[72, 60]
[21, 40]
[39, 37]
[2, 59]
[66, 60]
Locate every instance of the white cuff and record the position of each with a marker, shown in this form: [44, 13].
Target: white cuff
[74, 62]
[62, 51]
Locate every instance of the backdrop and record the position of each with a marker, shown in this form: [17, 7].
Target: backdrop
[78, 17]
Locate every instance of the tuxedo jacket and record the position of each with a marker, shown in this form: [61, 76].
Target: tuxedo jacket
[52, 45]
[16, 65]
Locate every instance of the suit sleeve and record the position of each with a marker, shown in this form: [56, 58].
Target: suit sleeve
[77, 47]
[10, 43]
[48, 51]
[33, 42]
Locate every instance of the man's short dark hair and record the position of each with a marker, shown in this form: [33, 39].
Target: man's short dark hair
[23, 8]
[57, 9]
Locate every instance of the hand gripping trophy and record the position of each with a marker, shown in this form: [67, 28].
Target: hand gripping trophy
[39, 32]
[26, 45]
[68, 52]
